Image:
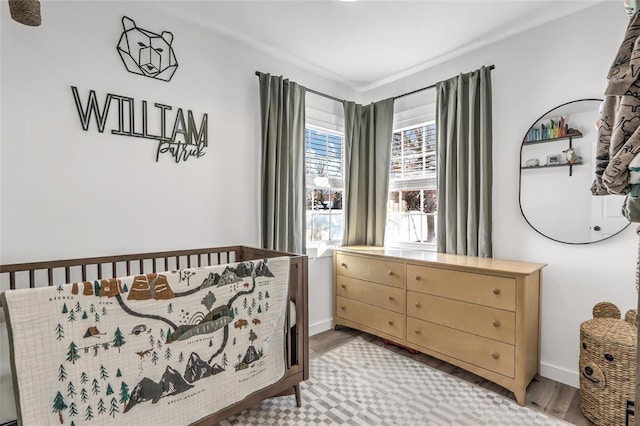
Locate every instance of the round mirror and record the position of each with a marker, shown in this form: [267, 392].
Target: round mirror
[557, 167]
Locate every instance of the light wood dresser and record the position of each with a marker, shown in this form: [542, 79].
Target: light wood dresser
[480, 314]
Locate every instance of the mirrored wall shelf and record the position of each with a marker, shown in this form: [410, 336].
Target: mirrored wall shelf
[567, 136]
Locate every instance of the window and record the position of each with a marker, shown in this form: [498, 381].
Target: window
[413, 196]
[324, 167]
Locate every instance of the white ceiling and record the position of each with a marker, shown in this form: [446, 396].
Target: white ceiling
[368, 43]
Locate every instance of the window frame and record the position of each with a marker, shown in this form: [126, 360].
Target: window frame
[427, 246]
[318, 244]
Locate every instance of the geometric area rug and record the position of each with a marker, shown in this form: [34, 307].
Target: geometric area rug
[360, 383]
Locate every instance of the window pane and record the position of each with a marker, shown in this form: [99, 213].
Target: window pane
[413, 141]
[336, 200]
[396, 168]
[430, 203]
[309, 198]
[336, 226]
[413, 166]
[317, 226]
[396, 145]
[411, 200]
[320, 199]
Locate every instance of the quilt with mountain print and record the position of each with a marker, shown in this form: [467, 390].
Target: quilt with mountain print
[166, 348]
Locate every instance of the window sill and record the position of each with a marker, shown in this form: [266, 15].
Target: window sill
[316, 249]
[412, 246]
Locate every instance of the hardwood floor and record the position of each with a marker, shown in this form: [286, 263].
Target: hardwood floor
[553, 398]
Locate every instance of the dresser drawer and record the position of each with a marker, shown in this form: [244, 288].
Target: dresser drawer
[485, 353]
[482, 289]
[496, 324]
[380, 319]
[382, 296]
[371, 269]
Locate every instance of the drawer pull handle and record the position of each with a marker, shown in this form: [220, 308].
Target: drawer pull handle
[418, 304]
[417, 331]
[344, 265]
[390, 273]
[390, 322]
[392, 298]
[343, 307]
[496, 323]
[496, 291]
[343, 286]
[495, 355]
[418, 277]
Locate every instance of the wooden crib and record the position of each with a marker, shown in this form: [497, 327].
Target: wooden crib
[39, 274]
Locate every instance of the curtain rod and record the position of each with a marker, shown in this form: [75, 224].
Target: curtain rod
[394, 98]
[426, 88]
[315, 92]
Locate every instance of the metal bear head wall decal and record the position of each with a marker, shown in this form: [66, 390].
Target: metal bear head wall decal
[146, 53]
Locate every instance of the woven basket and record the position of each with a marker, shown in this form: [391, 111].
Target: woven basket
[608, 364]
[26, 12]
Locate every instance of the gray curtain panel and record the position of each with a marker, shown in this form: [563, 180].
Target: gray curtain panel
[282, 108]
[367, 154]
[464, 149]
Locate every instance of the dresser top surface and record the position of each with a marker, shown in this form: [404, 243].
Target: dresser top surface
[471, 262]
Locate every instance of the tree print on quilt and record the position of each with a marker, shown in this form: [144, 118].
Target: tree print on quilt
[145, 348]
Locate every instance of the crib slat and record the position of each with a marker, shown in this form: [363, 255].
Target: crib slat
[12, 280]
[49, 276]
[99, 271]
[188, 261]
[141, 266]
[153, 262]
[209, 258]
[84, 272]
[32, 278]
[166, 263]
[113, 269]
[288, 336]
[67, 274]
[128, 268]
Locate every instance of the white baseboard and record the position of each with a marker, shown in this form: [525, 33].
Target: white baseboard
[560, 374]
[321, 326]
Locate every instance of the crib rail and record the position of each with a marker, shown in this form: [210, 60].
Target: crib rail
[40, 274]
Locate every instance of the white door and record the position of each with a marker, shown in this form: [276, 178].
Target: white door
[606, 216]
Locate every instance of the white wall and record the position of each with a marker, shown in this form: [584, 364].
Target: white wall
[68, 193]
[536, 71]
[320, 293]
